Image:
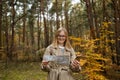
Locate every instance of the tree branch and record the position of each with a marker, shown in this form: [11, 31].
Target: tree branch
[19, 18]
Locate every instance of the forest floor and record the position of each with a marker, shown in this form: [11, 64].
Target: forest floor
[24, 71]
[21, 71]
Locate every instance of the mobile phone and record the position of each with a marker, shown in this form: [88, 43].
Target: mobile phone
[77, 57]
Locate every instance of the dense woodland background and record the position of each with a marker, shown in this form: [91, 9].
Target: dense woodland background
[27, 27]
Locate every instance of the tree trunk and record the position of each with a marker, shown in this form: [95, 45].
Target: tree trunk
[105, 18]
[32, 32]
[24, 26]
[6, 35]
[62, 23]
[39, 29]
[95, 20]
[24, 21]
[51, 31]
[46, 37]
[66, 17]
[117, 30]
[119, 10]
[45, 32]
[90, 18]
[13, 32]
[0, 23]
[57, 21]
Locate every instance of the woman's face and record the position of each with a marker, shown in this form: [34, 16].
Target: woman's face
[61, 37]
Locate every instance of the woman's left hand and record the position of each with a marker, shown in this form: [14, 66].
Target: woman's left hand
[75, 64]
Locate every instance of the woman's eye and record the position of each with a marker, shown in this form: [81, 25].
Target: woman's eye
[61, 36]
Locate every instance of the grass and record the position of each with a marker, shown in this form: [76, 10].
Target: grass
[25, 71]
[21, 71]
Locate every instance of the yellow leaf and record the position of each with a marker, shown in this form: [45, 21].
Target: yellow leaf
[82, 62]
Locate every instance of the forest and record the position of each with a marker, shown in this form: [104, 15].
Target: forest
[27, 27]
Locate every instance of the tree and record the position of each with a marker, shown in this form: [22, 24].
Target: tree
[24, 21]
[13, 22]
[0, 23]
[57, 20]
[31, 27]
[46, 32]
[66, 9]
[39, 24]
[95, 18]
[117, 28]
[12, 26]
[90, 18]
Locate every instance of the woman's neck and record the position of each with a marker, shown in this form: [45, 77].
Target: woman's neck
[61, 45]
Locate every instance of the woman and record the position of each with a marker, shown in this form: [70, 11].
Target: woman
[59, 58]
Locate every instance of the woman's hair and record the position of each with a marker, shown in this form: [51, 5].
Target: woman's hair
[66, 43]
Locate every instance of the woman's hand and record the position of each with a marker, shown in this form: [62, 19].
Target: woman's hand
[45, 66]
[45, 62]
[75, 64]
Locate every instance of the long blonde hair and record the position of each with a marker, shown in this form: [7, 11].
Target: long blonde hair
[67, 44]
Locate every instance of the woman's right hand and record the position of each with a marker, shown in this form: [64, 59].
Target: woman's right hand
[45, 66]
[45, 62]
